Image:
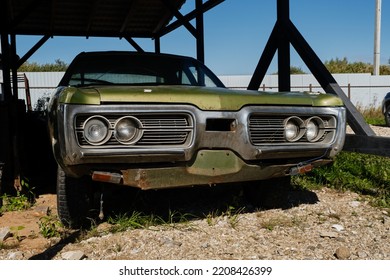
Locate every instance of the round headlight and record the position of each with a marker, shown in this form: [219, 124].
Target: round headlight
[96, 130]
[293, 129]
[314, 129]
[126, 130]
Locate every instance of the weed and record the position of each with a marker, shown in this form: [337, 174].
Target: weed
[233, 215]
[271, 224]
[50, 226]
[372, 114]
[21, 201]
[15, 232]
[175, 217]
[211, 218]
[136, 220]
[15, 203]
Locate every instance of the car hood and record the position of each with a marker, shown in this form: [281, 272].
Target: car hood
[203, 98]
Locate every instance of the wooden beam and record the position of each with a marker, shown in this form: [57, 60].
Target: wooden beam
[265, 60]
[134, 44]
[190, 16]
[157, 45]
[199, 33]
[284, 61]
[180, 17]
[374, 145]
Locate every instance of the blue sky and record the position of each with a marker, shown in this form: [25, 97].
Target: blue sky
[236, 32]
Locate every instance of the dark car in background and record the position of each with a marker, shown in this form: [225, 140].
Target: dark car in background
[158, 121]
[386, 108]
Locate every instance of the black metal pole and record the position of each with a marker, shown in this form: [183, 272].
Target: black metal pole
[200, 33]
[284, 62]
[157, 45]
[14, 68]
[6, 136]
[5, 64]
[265, 60]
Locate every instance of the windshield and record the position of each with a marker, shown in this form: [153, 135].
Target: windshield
[138, 69]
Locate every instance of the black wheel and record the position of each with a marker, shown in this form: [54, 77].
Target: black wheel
[75, 201]
[387, 115]
[268, 194]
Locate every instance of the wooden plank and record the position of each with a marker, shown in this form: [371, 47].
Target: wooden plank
[374, 145]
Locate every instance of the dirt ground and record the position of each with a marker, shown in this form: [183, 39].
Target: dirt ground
[24, 225]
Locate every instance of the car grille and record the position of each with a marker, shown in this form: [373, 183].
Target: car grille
[270, 130]
[157, 130]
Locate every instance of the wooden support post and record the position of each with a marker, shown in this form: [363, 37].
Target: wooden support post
[199, 33]
[157, 45]
[284, 78]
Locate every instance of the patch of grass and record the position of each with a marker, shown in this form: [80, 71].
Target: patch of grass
[15, 203]
[361, 173]
[123, 222]
[135, 220]
[233, 215]
[372, 114]
[50, 226]
[211, 218]
[22, 200]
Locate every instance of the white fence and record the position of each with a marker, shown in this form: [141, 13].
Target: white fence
[364, 90]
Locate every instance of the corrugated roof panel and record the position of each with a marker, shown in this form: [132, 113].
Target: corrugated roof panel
[110, 18]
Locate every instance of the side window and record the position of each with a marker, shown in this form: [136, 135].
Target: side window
[200, 77]
[183, 78]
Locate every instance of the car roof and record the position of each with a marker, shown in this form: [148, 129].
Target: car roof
[132, 53]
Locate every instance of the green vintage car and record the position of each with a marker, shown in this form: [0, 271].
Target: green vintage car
[155, 121]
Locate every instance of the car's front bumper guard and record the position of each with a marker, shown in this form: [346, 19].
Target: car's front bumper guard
[209, 168]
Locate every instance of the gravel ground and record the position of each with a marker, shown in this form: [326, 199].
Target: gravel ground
[338, 225]
[323, 224]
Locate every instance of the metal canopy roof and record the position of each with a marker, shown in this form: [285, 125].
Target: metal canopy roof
[108, 18]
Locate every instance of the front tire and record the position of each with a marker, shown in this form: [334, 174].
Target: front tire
[74, 201]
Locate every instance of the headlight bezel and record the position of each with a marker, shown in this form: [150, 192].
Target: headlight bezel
[319, 126]
[94, 121]
[291, 124]
[137, 127]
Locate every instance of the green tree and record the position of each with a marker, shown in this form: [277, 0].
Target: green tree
[344, 66]
[296, 70]
[57, 66]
